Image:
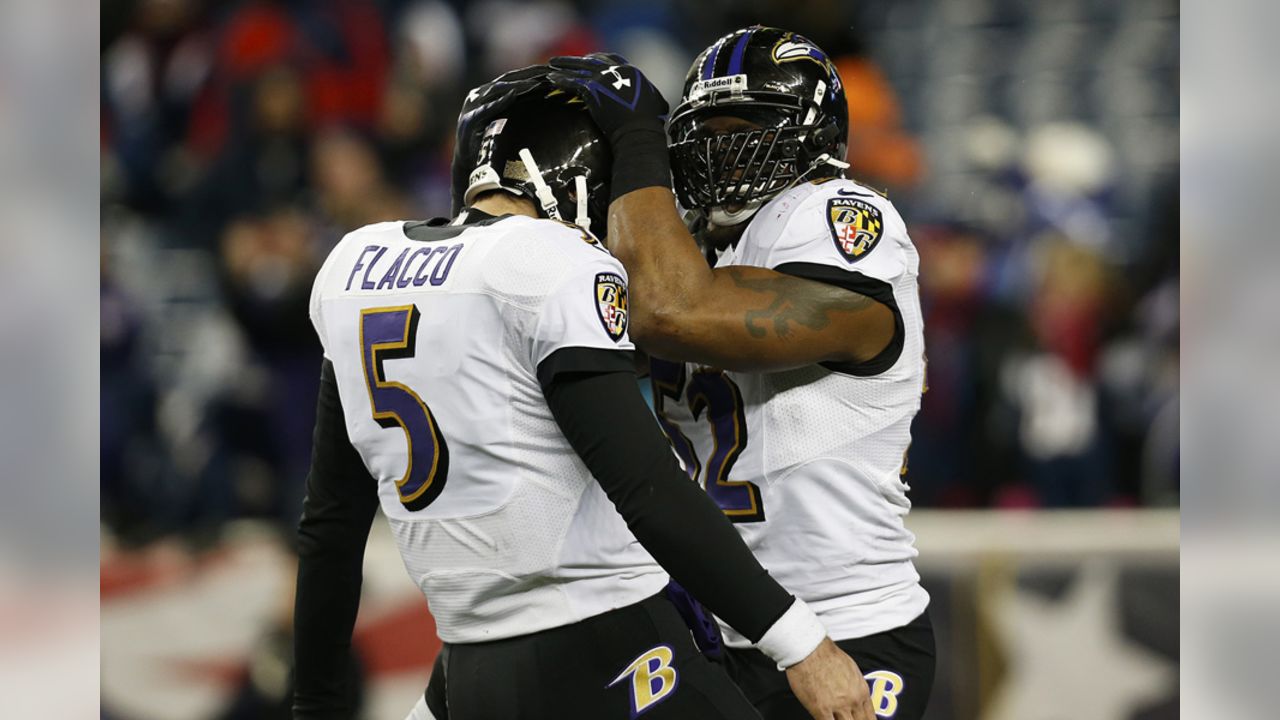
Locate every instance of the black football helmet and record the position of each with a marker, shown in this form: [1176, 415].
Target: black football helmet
[522, 134]
[789, 90]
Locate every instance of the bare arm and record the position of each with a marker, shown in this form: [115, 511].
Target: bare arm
[737, 318]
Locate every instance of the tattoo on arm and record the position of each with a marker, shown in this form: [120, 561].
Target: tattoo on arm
[794, 300]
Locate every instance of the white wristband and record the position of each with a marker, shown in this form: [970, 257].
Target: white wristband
[793, 636]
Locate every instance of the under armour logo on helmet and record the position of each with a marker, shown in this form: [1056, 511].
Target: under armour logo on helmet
[621, 82]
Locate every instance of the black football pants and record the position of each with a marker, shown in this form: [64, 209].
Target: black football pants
[634, 662]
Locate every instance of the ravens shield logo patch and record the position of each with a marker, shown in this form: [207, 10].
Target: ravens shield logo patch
[856, 226]
[611, 304]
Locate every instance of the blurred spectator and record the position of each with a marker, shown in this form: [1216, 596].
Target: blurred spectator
[1054, 388]
[960, 437]
[350, 189]
[131, 454]
[152, 75]
[265, 161]
[514, 34]
[269, 262]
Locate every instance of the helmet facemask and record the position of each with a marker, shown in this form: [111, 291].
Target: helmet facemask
[734, 168]
[728, 174]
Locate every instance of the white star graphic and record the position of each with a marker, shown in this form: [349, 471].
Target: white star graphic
[1068, 657]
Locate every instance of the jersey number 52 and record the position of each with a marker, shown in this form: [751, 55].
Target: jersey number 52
[712, 394]
[389, 333]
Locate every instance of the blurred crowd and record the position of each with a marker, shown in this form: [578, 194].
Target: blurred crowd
[1031, 146]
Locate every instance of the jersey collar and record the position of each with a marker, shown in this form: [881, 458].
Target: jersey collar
[443, 228]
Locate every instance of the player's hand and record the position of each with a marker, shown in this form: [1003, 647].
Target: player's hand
[618, 96]
[830, 686]
[490, 99]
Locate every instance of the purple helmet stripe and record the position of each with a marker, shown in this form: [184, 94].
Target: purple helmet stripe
[735, 60]
[710, 67]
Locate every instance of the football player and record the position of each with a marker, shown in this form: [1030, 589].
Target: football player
[797, 341]
[478, 386]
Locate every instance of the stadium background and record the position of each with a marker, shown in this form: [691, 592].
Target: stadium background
[1032, 147]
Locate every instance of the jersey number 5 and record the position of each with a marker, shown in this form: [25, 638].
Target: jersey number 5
[713, 394]
[390, 333]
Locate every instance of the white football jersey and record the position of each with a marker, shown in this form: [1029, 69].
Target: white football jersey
[807, 462]
[435, 333]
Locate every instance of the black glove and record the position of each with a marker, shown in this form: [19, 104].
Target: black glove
[621, 99]
[630, 112]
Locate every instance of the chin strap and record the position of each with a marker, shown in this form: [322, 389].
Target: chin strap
[823, 159]
[826, 159]
[580, 189]
[545, 197]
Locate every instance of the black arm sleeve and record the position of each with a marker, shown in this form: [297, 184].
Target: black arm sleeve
[342, 498]
[605, 419]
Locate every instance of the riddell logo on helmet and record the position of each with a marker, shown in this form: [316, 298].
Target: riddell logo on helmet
[732, 83]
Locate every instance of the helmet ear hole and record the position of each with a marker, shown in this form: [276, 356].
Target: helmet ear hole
[822, 138]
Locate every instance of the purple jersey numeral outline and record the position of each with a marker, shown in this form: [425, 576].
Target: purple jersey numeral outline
[390, 333]
[711, 392]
